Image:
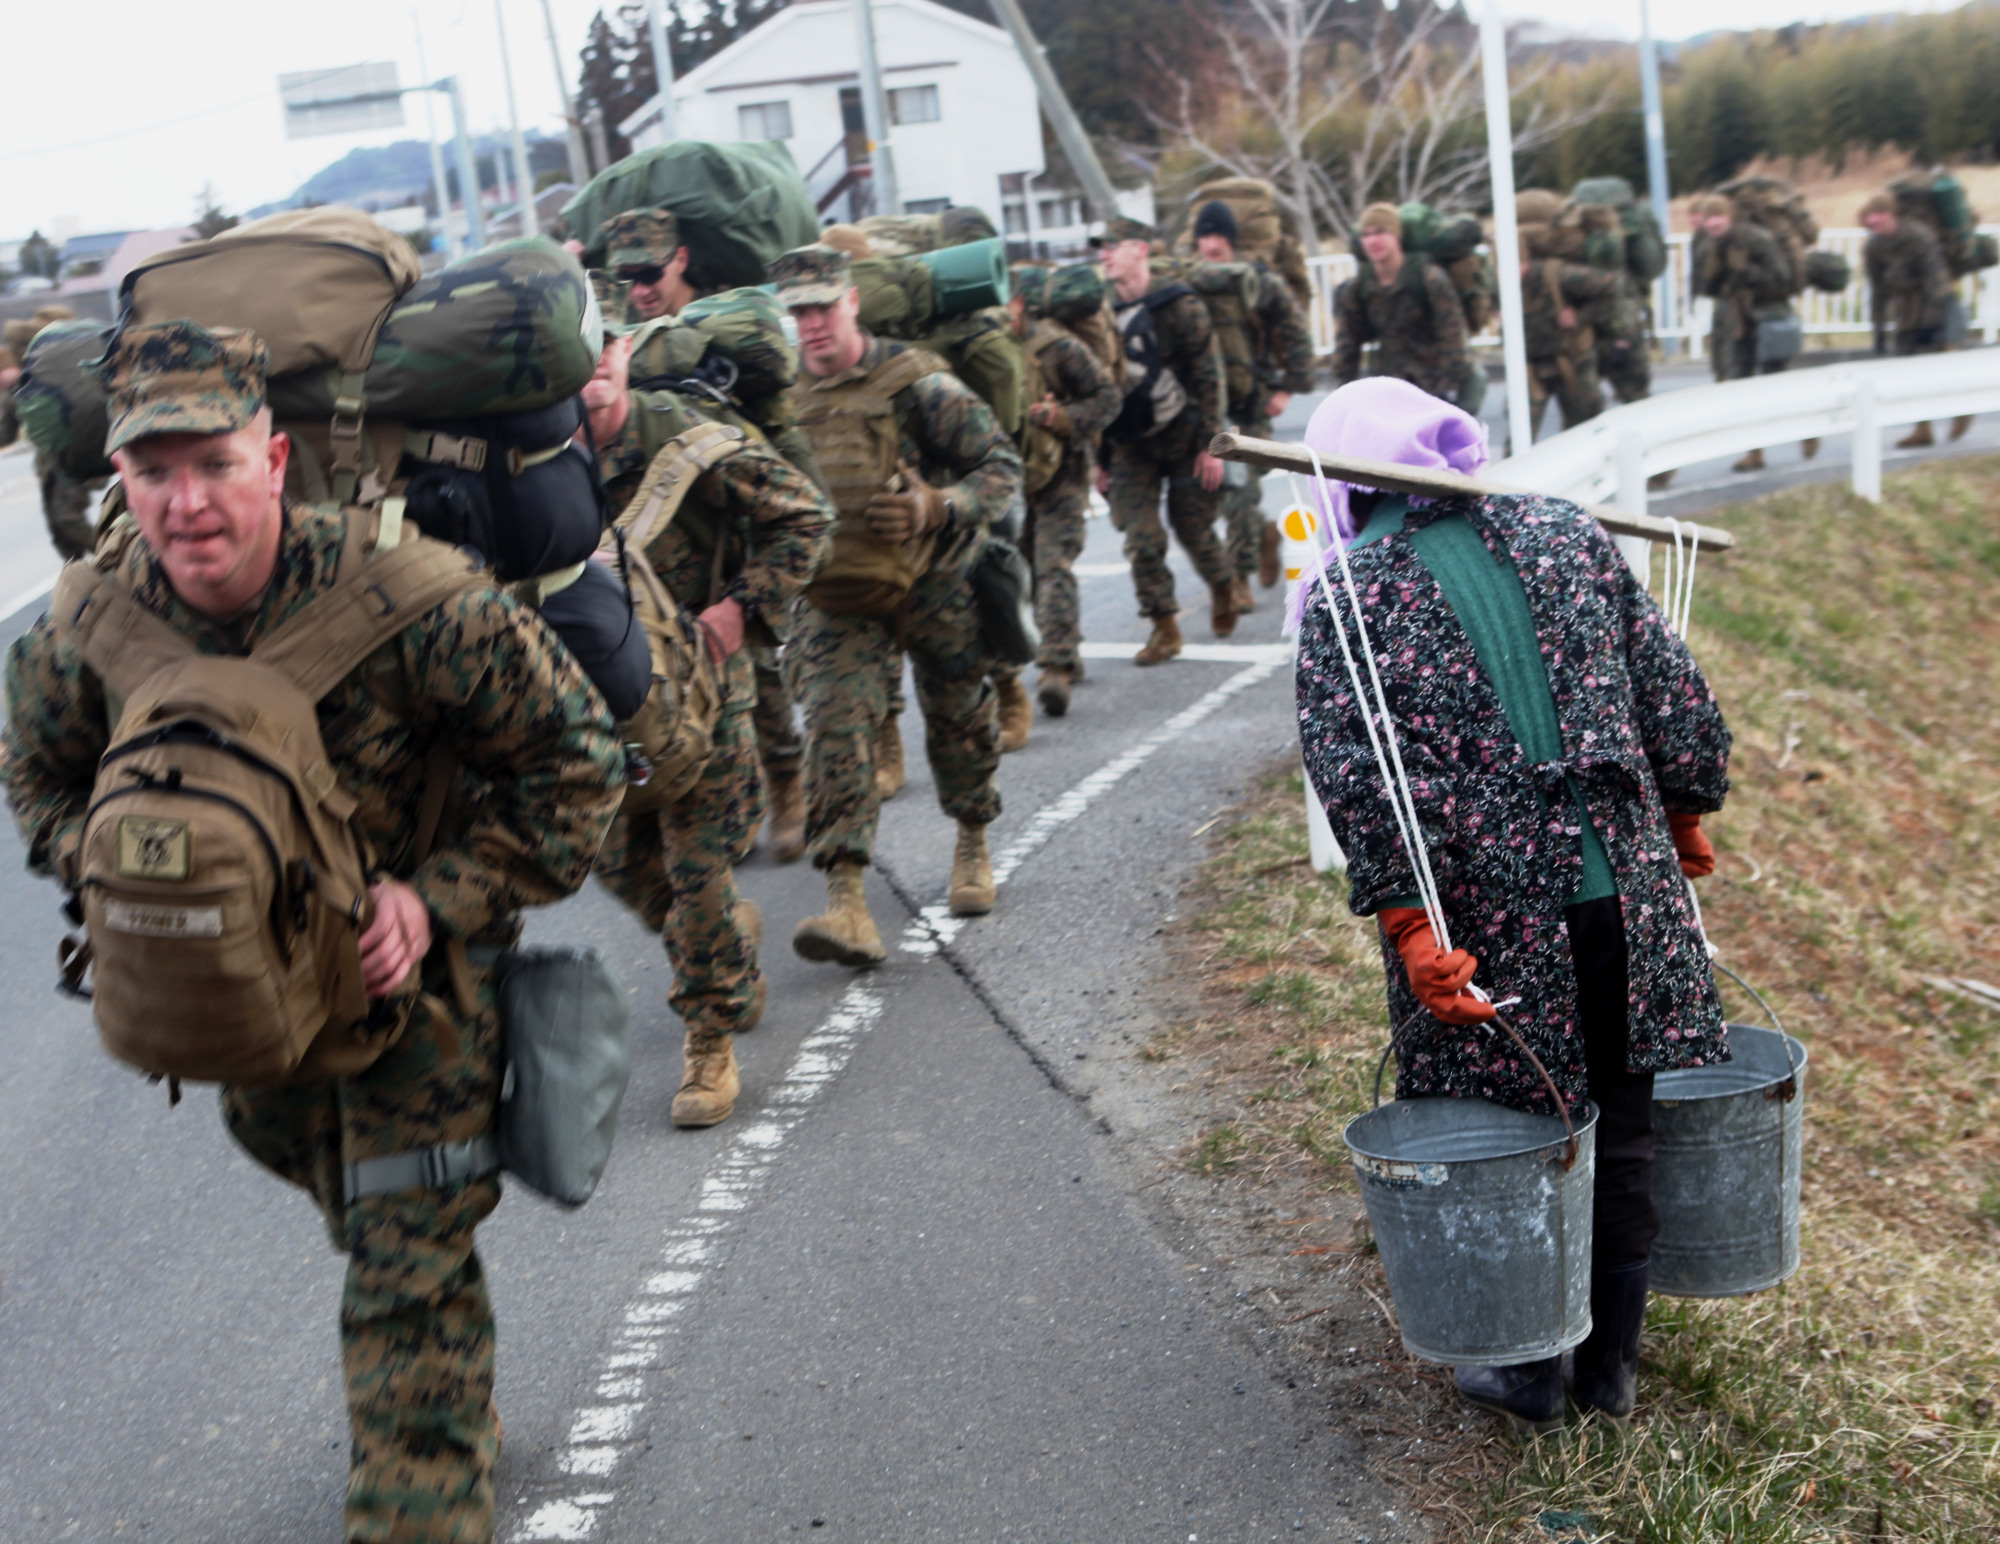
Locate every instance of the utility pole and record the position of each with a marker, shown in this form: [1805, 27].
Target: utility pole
[468, 166]
[524, 179]
[663, 70]
[1656, 153]
[579, 158]
[452, 245]
[875, 114]
[1082, 155]
[594, 121]
[1506, 230]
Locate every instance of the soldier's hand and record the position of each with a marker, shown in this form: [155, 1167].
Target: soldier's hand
[1103, 481]
[1051, 415]
[1207, 471]
[1566, 318]
[398, 937]
[1280, 400]
[722, 626]
[910, 513]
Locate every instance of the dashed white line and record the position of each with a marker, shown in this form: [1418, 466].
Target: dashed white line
[605, 1432]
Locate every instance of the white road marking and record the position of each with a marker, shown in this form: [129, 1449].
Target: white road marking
[27, 597]
[1200, 653]
[1099, 570]
[606, 1432]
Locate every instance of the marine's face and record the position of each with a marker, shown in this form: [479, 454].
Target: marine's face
[613, 375]
[830, 335]
[211, 506]
[1717, 225]
[1215, 249]
[1381, 246]
[1880, 221]
[1126, 262]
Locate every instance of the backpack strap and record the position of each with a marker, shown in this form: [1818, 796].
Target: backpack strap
[673, 473]
[120, 640]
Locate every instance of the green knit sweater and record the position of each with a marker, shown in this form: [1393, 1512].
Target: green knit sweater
[1486, 596]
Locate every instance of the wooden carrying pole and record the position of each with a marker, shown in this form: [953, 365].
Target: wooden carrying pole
[1429, 482]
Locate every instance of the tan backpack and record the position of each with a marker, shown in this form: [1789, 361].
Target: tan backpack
[669, 740]
[851, 420]
[218, 869]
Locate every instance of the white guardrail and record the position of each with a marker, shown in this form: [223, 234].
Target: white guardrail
[1823, 314]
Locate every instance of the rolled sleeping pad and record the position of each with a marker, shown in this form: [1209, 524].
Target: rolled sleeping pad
[968, 278]
[594, 618]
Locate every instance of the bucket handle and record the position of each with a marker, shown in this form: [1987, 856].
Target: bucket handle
[1562, 1107]
[1787, 1090]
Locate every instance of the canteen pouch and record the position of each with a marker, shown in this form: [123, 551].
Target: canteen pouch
[1779, 338]
[1003, 587]
[564, 1019]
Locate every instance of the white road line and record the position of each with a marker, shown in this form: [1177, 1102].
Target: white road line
[605, 1432]
[28, 596]
[1200, 653]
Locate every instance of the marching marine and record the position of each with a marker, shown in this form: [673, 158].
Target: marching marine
[1563, 304]
[1407, 304]
[1909, 294]
[65, 499]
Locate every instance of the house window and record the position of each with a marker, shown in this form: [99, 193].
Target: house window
[764, 120]
[914, 104]
[926, 205]
[1056, 213]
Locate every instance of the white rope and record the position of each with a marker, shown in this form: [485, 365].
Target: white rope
[1677, 581]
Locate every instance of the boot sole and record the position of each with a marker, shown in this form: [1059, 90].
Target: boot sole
[707, 1121]
[971, 906]
[822, 950]
[1054, 704]
[1520, 1424]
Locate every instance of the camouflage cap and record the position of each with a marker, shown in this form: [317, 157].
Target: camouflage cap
[1122, 228]
[817, 275]
[1031, 282]
[182, 378]
[1073, 292]
[640, 238]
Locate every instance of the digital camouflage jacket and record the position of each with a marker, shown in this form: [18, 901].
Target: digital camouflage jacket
[1908, 282]
[774, 521]
[1745, 270]
[1285, 361]
[480, 672]
[1072, 372]
[1187, 340]
[1418, 321]
[1641, 736]
[1592, 293]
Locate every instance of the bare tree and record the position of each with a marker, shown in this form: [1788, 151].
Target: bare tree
[1336, 115]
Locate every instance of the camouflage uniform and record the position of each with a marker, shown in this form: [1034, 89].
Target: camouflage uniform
[673, 866]
[1285, 363]
[1075, 376]
[1138, 467]
[1562, 363]
[485, 676]
[1909, 288]
[1624, 357]
[839, 667]
[65, 499]
[1418, 320]
[1750, 278]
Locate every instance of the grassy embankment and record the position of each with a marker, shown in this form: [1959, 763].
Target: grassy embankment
[1857, 655]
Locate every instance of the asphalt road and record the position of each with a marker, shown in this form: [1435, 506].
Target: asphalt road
[914, 1290]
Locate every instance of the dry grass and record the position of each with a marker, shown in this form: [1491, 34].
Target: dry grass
[1857, 654]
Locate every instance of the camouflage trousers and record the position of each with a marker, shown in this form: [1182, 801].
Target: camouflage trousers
[839, 671]
[66, 507]
[1626, 366]
[780, 746]
[1138, 468]
[1055, 536]
[1572, 381]
[674, 867]
[1243, 507]
[416, 1326]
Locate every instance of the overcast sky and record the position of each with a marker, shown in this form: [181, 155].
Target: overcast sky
[119, 110]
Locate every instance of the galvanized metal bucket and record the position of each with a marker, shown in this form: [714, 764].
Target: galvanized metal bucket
[1729, 1145]
[1482, 1215]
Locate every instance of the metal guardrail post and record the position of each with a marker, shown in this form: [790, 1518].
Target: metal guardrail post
[1632, 499]
[1867, 442]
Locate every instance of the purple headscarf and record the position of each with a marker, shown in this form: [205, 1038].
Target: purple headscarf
[1383, 419]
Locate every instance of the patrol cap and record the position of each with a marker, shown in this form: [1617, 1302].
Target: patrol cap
[182, 378]
[640, 238]
[1215, 218]
[817, 275]
[1382, 217]
[1123, 228]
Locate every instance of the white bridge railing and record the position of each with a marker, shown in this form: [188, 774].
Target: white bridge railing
[1824, 315]
[1608, 459]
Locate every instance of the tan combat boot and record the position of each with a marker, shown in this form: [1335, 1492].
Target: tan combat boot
[785, 834]
[1809, 448]
[971, 873]
[1052, 686]
[1917, 438]
[1754, 462]
[1239, 592]
[1960, 426]
[845, 934]
[709, 1082]
[889, 757]
[1222, 608]
[1017, 714]
[1267, 554]
[1165, 644]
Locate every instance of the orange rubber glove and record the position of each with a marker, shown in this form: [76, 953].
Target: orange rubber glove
[1696, 855]
[1436, 977]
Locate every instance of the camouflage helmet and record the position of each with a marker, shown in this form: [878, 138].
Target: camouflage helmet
[182, 378]
[1030, 281]
[817, 275]
[640, 238]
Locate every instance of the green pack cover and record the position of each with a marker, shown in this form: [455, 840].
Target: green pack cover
[61, 400]
[748, 325]
[1938, 199]
[1645, 248]
[903, 297]
[740, 206]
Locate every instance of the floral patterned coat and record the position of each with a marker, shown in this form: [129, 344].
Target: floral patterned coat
[1641, 735]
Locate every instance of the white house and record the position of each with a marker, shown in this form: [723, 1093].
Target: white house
[962, 106]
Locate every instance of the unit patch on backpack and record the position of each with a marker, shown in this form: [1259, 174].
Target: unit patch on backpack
[152, 849]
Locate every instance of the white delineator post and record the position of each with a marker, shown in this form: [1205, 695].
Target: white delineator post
[1638, 550]
[1506, 233]
[1867, 442]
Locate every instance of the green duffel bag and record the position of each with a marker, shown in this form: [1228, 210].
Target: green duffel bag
[564, 1018]
[62, 401]
[748, 325]
[740, 206]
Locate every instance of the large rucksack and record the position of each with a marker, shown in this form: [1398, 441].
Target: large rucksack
[858, 442]
[1229, 291]
[947, 303]
[1154, 395]
[1937, 199]
[220, 875]
[1780, 208]
[1452, 242]
[1261, 235]
[1645, 249]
